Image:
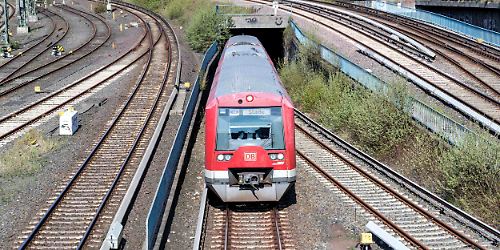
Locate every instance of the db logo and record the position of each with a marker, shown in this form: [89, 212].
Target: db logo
[250, 157]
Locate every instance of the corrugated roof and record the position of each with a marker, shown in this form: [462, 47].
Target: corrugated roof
[246, 67]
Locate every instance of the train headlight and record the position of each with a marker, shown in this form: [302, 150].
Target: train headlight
[281, 156]
[249, 98]
[220, 157]
[227, 157]
[273, 156]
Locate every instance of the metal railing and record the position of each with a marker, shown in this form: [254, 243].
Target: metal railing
[463, 28]
[156, 211]
[435, 121]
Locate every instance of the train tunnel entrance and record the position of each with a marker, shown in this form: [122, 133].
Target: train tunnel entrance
[272, 39]
[266, 22]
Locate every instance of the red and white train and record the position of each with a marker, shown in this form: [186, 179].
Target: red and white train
[250, 138]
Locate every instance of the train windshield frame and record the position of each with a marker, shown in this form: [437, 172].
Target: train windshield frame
[256, 126]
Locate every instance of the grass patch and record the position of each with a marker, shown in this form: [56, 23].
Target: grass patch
[466, 175]
[26, 156]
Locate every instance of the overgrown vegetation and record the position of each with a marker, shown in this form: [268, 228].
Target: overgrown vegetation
[99, 8]
[26, 157]
[466, 175]
[368, 118]
[203, 25]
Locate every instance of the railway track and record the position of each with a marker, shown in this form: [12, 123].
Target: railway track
[100, 34]
[15, 123]
[59, 30]
[79, 215]
[461, 96]
[408, 221]
[262, 226]
[483, 70]
[486, 51]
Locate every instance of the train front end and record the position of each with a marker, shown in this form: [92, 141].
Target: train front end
[250, 147]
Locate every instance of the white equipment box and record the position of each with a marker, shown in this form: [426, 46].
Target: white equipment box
[68, 122]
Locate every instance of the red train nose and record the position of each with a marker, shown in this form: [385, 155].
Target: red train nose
[251, 156]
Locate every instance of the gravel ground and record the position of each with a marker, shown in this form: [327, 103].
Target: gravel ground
[134, 229]
[27, 195]
[348, 49]
[183, 226]
[72, 73]
[31, 194]
[329, 223]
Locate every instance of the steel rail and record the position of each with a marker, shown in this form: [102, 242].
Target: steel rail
[393, 192]
[398, 178]
[268, 218]
[488, 67]
[481, 48]
[418, 33]
[9, 90]
[45, 37]
[59, 38]
[360, 201]
[226, 233]
[137, 138]
[88, 158]
[375, 30]
[148, 118]
[321, 11]
[276, 225]
[179, 68]
[25, 109]
[129, 196]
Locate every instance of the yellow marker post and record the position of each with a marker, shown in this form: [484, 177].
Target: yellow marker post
[38, 89]
[366, 239]
[113, 15]
[113, 45]
[91, 7]
[121, 27]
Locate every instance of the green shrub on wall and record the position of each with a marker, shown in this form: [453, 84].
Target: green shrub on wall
[205, 27]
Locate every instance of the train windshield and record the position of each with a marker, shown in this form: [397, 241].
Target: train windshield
[250, 127]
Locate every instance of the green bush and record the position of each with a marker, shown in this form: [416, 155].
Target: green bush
[373, 121]
[203, 25]
[175, 9]
[467, 175]
[206, 27]
[99, 8]
[472, 174]
[15, 45]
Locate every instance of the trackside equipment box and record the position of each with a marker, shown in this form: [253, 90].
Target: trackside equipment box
[68, 122]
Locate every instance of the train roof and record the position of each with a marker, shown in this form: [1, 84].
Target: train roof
[246, 67]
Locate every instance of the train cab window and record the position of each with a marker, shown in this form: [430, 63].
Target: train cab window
[250, 127]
